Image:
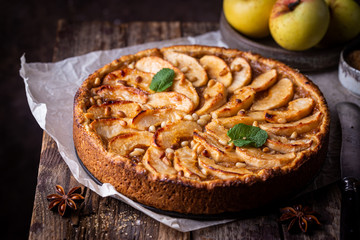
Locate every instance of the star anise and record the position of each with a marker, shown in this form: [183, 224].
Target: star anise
[303, 215]
[63, 200]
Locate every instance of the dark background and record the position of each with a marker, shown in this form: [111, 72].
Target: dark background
[30, 27]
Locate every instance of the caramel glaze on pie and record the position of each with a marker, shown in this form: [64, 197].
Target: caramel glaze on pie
[152, 147]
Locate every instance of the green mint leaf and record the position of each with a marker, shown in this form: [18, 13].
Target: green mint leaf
[162, 80]
[244, 135]
[242, 142]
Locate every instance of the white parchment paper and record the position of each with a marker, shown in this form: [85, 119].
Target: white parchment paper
[50, 90]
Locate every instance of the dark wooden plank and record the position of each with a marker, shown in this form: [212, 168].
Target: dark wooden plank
[140, 32]
[326, 202]
[84, 37]
[191, 29]
[262, 227]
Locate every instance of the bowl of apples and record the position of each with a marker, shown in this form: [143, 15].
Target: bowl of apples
[306, 34]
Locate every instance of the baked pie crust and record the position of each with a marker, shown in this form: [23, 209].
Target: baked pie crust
[170, 150]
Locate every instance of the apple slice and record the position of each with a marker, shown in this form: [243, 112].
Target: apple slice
[171, 134]
[288, 145]
[124, 144]
[215, 95]
[171, 100]
[257, 158]
[264, 81]
[241, 73]
[121, 92]
[152, 162]
[132, 77]
[154, 117]
[247, 119]
[257, 115]
[279, 95]
[219, 171]
[217, 69]
[122, 107]
[109, 128]
[193, 71]
[185, 87]
[242, 99]
[154, 64]
[300, 126]
[185, 160]
[217, 131]
[215, 150]
[296, 110]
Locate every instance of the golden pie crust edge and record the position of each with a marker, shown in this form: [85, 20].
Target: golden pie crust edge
[186, 195]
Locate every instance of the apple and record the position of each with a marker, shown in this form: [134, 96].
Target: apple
[299, 24]
[250, 17]
[344, 22]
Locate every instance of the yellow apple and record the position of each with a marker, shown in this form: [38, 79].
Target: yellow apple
[299, 24]
[250, 17]
[344, 22]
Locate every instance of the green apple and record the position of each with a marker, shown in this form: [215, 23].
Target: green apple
[344, 22]
[250, 17]
[299, 24]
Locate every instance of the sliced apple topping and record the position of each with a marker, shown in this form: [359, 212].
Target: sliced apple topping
[279, 95]
[124, 144]
[222, 172]
[296, 110]
[112, 127]
[257, 158]
[185, 87]
[215, 95]
[241, 72]
[193, 71]
[218, 131]
[132, 77]
[171, 100]
[178, 131]
[173, 133]
[152, 161]
[214, 148]
[217, 69]
[242, 99]
[287, 146]
[257, 115]
[248, 119]
[121, 92]
[115, 109]
[155, 64]
[154, 117]
[300, 126]
[185, 160]
[264, 81]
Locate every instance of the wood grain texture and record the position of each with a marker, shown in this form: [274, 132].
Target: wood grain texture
[108, 218]
[261, 227]
[326, 202]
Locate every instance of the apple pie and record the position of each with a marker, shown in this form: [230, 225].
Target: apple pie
[164, 127]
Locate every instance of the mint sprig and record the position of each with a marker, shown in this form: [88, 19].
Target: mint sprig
[162, 80]
[244, 135]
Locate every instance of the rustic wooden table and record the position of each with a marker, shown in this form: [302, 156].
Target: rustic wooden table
[108, 218]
